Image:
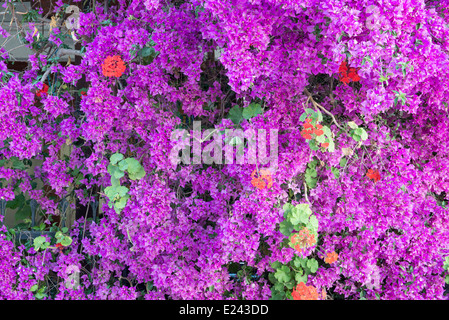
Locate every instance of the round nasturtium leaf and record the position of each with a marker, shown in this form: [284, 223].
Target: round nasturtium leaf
[116, 157]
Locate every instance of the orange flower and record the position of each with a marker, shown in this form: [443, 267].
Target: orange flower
[303, 292]
[325, 145]
[373, 174]
[259, 182]
[331, 257]
[318, 132]
[113, 66]
[309, 120]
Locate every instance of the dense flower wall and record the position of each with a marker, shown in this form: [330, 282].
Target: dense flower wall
[358, 91]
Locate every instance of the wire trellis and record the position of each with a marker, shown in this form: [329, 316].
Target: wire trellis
[32, 234]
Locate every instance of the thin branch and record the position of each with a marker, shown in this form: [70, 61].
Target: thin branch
[316, 104]
[60, 53]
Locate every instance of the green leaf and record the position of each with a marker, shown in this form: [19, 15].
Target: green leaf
[327, 132]
[310, 111]
[146, 52]
[18, 164]
[313, 223]
[122, 202]
[287, 208]
[343, 162]
[138, 175]
[133, 165]
[304, 207]
[114, 181]
[286, 228]
[303, 117]
[251, 111]
[67, 241]
[123, 165]
[364, 135]
[283, 274]
[336, 172]
[298, 216]
[118, 173]
[312, 265]
[34, 288]
[313, 145]
[321, 138]
[39, 242]
[116, 157]
[297, 263]
[320, 116]
[235, 114]
[331, 147]
[356, 137]
[110, 191]
[111, 169]
[122, 191]
[301, 277]
[352, 125]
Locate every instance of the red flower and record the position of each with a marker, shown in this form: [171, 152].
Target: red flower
[318, 132]
[43, 91]
[325, 145]
[343, 67]
[319, 126]
[113, 66]
[306, 135]
[353, 74]
[308, 120]
[373, 174]
[307, 125]
[348, 74]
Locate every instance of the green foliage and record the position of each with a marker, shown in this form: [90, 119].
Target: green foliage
[63, 239]
[286, 276]
[367, 59]
[252, 111]
[400, 96]
[316, 116]
[235, 114]
[404, 66]
[356, 132]
[40, 293]
[311, 174]
[40, 243]
[446, 268]
[118, 166]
